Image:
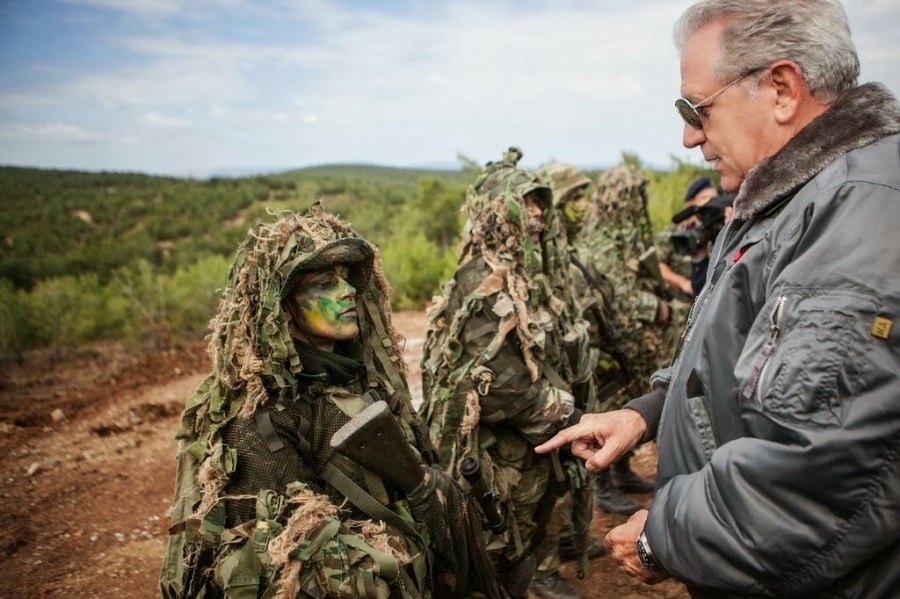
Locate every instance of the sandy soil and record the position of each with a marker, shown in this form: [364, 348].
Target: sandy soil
[86, 478]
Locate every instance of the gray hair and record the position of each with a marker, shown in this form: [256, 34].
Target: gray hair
[815, 34]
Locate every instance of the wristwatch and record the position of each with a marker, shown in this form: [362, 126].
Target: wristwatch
[646, 555]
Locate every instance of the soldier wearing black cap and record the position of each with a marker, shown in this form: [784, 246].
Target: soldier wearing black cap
[689, 276]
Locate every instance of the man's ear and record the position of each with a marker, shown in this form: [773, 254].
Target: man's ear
[790, 89]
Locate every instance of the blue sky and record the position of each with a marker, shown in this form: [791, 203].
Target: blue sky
[201, 87]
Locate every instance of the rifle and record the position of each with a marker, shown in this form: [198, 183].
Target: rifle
[470, 469]
[373, 439]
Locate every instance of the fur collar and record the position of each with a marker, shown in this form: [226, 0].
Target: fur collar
[858, 118]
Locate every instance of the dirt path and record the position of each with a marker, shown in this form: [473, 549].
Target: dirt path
[86, 479]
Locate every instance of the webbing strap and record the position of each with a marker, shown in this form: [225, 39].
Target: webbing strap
[554, 378]
[376, 487]
[361, 499]
[409, 585]
[267, 430]
[391, 367]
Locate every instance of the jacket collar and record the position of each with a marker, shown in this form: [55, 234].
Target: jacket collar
[858, 118]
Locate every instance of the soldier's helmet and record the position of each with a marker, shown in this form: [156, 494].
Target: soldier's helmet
[275, 255]
[564, 179]
[495, 205]
[320, 247]
[504, 177]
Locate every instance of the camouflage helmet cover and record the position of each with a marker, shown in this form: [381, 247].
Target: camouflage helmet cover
[564, 179]
[308, 256]
[505, 176]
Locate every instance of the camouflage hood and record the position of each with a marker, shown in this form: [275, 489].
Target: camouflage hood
[495, 215]
[251, 346]
[525, 272]
[620, 201]
[563, 179]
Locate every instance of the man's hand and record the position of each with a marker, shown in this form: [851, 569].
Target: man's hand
[622, 544]
[600, 439]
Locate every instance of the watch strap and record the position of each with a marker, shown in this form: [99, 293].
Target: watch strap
[646, 555]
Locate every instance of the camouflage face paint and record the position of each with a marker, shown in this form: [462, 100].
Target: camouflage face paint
[324, 308]
[576, 210]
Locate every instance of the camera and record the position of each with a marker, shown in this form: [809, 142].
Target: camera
[711, 218]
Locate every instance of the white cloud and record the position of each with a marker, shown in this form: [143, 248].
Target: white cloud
[144, 7]
[161, 8]
[574, 81]
[49, 132]
[161, 121]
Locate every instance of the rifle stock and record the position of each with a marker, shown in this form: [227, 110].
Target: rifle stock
[373, 439]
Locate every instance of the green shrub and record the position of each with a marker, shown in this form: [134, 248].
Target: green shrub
[415, 268]
[15, 334]
[194, 295]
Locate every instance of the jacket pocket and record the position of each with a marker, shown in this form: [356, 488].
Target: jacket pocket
[812, 357]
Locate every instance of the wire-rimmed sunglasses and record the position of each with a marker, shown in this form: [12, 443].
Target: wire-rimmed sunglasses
[689, 111]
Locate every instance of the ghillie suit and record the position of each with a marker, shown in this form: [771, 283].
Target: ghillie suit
[591, 286]
[264, 507]
[505, 347]
[618, 241]
[611, 365]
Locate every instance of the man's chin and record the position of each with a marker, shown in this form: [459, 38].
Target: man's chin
[729, 181]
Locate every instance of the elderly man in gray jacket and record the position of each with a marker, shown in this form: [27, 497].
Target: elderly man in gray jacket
[778, 423]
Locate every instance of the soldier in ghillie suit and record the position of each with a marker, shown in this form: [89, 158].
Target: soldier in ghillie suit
[568, 532]
[264, 505]
[505, 349]
[617, 240]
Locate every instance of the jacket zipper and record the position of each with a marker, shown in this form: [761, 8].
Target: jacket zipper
[754, 386]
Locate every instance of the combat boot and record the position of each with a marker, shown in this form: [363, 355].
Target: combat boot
[610, 499]
[553, 587]
[626, 480]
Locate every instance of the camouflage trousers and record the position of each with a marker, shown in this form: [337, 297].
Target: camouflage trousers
[529, 505]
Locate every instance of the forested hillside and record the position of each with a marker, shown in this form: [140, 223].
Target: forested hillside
[139, 258]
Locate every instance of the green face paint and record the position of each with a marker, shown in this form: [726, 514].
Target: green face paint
[324, 307]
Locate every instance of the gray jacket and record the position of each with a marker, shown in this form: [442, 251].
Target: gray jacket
[779, 442]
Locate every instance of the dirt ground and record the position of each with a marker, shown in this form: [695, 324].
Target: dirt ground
[88, 466]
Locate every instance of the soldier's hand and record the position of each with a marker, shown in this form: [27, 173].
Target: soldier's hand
[600, 439]
[622, 544]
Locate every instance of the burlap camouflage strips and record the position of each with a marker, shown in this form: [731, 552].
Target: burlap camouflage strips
[262, 502]
[505, 348]
[618, 241]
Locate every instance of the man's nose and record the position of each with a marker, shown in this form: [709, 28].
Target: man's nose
[691, 137]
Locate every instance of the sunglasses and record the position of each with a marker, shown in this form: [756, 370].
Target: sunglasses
[689, 111]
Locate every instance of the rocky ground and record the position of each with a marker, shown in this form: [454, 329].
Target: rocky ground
[88, 465]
